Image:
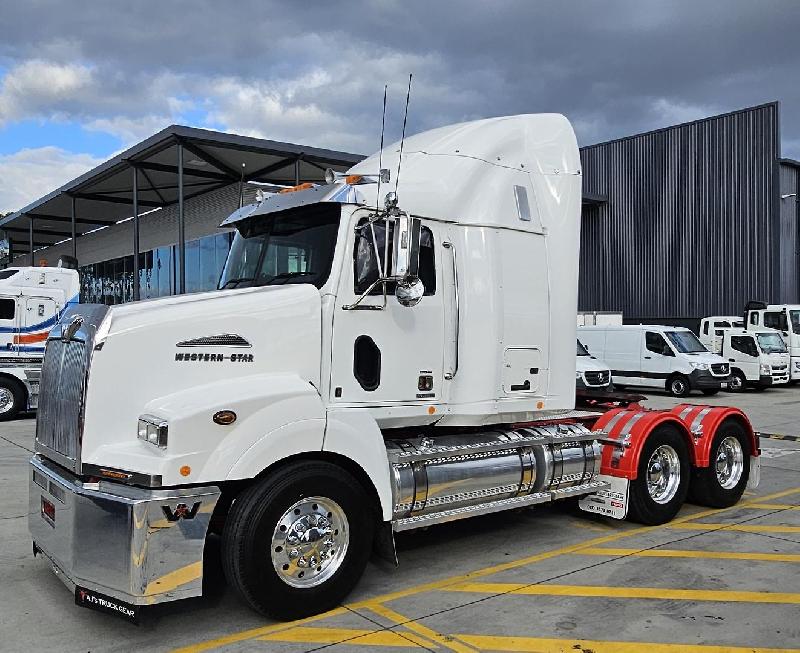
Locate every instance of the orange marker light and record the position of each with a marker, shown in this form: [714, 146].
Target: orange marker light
[431, 410]
[539, 405]
[352, 179]
[294, 189]
[185, 470]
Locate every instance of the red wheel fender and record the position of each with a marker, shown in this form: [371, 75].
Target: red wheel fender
[703, 421]
[631, 428]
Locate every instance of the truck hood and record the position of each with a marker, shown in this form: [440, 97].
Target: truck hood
[589, 364]
[706, 357]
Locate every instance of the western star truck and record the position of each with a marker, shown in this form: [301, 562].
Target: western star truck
[386, 352]
[31, 301]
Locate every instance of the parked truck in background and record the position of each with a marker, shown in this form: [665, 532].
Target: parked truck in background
[758, 359]
[711, 330]
[373, 362]
[784, 318]
[31, 301]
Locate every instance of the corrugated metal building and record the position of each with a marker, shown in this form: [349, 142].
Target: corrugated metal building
[690, 220]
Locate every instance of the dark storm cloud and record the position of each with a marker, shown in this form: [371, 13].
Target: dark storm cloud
[314, 72]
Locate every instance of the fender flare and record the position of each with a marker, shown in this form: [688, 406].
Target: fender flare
[631, 427]
[703, 422]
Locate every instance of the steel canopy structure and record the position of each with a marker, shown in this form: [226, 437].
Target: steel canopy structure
[172, 166]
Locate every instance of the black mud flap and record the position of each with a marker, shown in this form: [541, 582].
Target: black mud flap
[102, 603]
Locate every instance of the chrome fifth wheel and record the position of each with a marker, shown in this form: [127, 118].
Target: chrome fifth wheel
[662, 479]
[723, 482]
[12, 398]
[295, 543]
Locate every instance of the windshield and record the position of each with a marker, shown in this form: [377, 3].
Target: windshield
[582, 350]
[771, 343]
[795, 316]
[289, 247]
[685, 342]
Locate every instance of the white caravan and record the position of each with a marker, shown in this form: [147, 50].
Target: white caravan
[670, 358]
[758, 359]
[711, 330]
[590, 373]
[784, 318]
[31, 301]
[373, 362]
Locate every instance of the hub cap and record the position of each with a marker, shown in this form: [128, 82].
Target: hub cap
[663, 474]
[678, 387]
[729, 463]
[735, 383]
[6, 400]
[310, 542]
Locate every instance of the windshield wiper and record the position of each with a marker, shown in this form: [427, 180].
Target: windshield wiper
[283, 277]
[236, 282]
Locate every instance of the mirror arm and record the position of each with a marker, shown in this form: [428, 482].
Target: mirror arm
[356, 305]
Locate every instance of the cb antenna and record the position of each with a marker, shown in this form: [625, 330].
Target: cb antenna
[380, 152]
[403, 137]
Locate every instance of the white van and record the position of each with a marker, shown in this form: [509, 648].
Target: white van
[711, 329]
[670, 358]
[590, 373]
[758, 359]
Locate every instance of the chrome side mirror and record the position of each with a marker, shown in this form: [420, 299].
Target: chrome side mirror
[409, 291]
[405, 253]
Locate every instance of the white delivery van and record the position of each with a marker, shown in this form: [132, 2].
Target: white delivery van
[758, 359]
[670, 358]
[711, 329]
[590, 373]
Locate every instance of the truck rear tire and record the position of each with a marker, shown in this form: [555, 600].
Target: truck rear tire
[662, 481]
[678, 386]
[12, 398]
[722, 483]
[298, 541]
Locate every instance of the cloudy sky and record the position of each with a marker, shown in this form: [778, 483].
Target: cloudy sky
[81, 81]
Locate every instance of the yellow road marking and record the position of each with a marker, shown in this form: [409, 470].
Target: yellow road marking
[175, 579]
[682, 553]
[444, 640]
[443, 583]
[542, 645]
[724, 596]
[739, 528]
[350, 636]
[771, 506]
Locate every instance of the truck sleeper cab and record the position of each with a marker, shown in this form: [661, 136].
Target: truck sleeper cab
[670, 358]
[369, 365]
[591, 373]
[711, 330]
[759, 359]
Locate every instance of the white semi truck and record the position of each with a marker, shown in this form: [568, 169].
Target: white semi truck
[31, 301]
[784, 318]
[372, 363]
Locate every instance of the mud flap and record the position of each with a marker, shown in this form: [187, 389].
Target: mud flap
[612, 502]
[755, 473]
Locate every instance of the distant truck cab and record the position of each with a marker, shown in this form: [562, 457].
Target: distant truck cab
[758, 359]
[711, 330]
[590, 373]
[784, 318]
[31, 301]
[670, 358]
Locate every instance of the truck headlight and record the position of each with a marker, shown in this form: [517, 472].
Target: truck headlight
[766, 370]
[699, 366]
[797, 365]
[578, 375]
[153, 430]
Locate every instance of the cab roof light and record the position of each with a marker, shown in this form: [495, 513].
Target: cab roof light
[299, 187]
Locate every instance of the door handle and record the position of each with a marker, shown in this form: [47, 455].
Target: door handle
[731, 360]
[647, 358]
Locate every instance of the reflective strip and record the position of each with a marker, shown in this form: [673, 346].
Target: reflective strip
[626, 430]
[685, 412]
[699, 419]
[613, 422]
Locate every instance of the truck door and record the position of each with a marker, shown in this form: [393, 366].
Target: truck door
[9, 323]
[33, 327]
[658, 360]
[393, 354]
[745, 356]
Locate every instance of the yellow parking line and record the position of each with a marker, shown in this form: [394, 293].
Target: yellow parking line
[682, 553]
[350, 636]
[739, 528]
[445, 640]
[542, 645]
[724, 596]
[771, 506]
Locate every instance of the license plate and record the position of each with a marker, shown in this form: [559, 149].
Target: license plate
[103, 603]
[48, 512]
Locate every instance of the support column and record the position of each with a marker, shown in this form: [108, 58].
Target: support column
[30, 237]
[74, 231]
[297, 172]
[181, 281]
[136, 234]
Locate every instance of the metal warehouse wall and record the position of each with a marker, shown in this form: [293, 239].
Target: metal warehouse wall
[691, 226]
[789, 218]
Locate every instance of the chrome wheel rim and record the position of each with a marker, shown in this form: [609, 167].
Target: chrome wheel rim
[310, 542]
[678, 387]
[6, 400]
[735, 383]
[729, 463]
[663, 474]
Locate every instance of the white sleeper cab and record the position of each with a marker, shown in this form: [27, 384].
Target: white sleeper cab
[711, 330]
[379, 357]
[663, 357]
[758, 359]
[590, 373]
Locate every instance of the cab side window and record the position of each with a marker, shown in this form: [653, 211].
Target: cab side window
[7, 309]
[776, 321]
[655, 343]
[744, 345]
[705, 328]
[754, 318]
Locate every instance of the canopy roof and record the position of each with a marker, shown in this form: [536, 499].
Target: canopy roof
[211, 160]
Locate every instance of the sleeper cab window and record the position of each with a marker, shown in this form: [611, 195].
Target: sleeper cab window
[7, 309]
[366, 264]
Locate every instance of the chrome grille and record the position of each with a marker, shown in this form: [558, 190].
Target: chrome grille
[597, 378]
[61, 397]
[720, 369]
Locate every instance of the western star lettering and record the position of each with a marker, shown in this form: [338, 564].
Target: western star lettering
[214, 358]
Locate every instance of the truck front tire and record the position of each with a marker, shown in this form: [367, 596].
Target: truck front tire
[737, 381]
[722, 483]
[12, 398]
[662, 479]
[678, 386]
[298, 541]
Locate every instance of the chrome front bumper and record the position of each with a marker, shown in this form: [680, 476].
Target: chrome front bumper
[136, 545]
